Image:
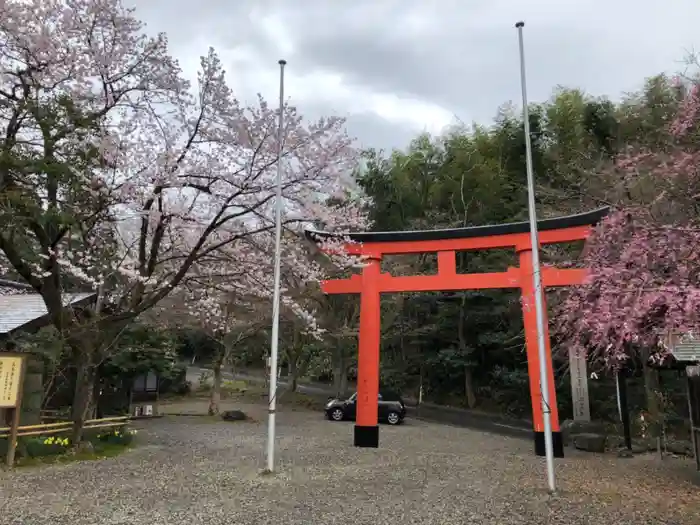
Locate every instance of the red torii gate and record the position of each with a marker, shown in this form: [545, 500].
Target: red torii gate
[372, 282]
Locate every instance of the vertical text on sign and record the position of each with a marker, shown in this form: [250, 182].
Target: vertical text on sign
[579, 386]
[10, 370]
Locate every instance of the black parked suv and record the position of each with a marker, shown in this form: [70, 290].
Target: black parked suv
[392, 409]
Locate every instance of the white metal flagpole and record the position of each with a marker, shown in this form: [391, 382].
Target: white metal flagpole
[536, 277]
[274, 344]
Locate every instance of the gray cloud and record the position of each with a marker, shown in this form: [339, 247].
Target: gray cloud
[372, 131]
[457, 55]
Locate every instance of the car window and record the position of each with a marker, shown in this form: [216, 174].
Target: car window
[353, 397]
[389, 395]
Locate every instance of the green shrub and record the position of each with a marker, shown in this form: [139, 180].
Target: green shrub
[120, 436]
[228, 388]
[175, 382]
[234, 387]
[39, 447]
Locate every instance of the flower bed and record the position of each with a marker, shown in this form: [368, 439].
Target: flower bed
[36, 447]
[57, 447]
[123, 437]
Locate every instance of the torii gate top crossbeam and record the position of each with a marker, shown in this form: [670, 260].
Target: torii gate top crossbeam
[447, 242]
[556, 230]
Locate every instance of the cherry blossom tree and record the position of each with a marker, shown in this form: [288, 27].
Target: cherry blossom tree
[644, 259]
[227, 319]
[120, 176]
[304, 307]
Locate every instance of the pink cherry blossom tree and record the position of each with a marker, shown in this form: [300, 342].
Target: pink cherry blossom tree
[644, 259]
[121, 177]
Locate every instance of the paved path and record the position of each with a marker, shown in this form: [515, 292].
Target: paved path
[427, 411]
[194, 373]
[192, 470]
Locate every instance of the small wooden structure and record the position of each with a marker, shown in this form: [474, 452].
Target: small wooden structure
[22, 310]
[685, 349]
[144, 398]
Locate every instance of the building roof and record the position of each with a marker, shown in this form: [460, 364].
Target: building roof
[685, 348]
[14, 288]
[22, 308]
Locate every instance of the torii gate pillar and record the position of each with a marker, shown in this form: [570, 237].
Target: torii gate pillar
[533, 360]
[366, 428]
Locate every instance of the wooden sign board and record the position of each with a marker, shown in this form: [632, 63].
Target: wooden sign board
[579, 386]
[11, 371]
[12, 368]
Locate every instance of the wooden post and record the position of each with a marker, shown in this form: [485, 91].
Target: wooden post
[624, 407]
[12, 370]
[693, 376]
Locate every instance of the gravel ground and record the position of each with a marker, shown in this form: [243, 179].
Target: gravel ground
[189, 470]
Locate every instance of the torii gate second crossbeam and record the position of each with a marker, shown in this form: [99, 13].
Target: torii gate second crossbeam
[372, 283]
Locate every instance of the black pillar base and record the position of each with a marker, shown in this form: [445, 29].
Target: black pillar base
[557, 444]
[367, 437]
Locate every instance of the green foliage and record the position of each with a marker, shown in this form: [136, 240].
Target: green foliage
[142, 349]
[198, 346]
[35, 447]
[122, 437]
[195, 344]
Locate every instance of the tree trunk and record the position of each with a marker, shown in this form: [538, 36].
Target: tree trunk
[340, 373]
[266, 376]
[651, 392]
[420, 385]
[294, 352]
[469, 391]
[469, 387]
[215, 394]
[343, 380]
[293, 375]
[337, 378]
[83, 395]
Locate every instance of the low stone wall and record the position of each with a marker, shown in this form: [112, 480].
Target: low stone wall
[600, 437]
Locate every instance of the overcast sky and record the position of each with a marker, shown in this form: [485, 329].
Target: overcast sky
[395, 68]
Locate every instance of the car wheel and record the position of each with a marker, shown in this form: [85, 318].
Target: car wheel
[337, 414]
[393, 418]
